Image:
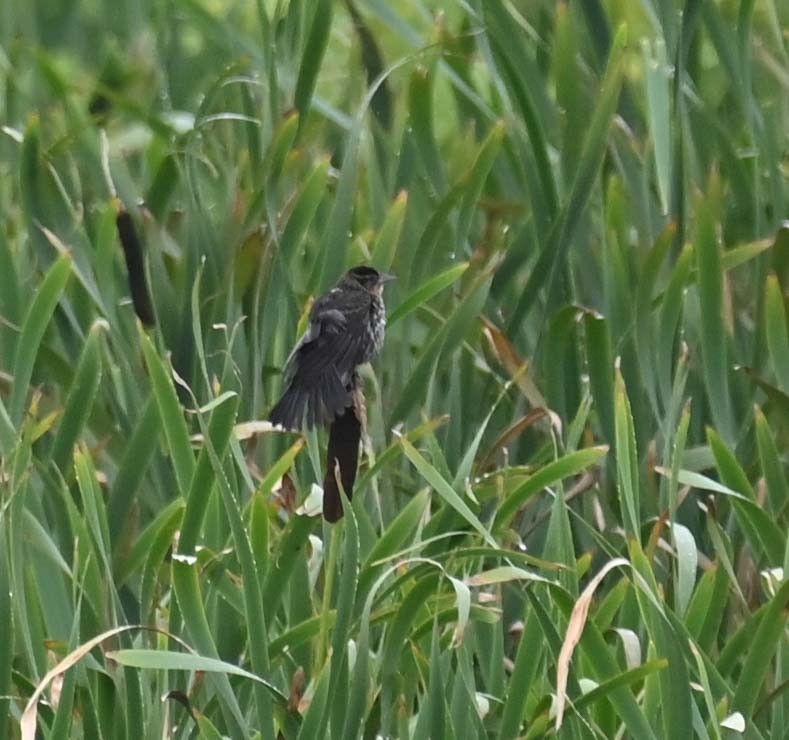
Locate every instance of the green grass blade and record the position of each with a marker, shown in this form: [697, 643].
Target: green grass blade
[168, 660]
[171, 415]
[312, 56]
[765, 642]
[445, 490]
[627, 461]
[551, 473]
[37, 318]
[601, 371]
[777, 488]
[713, 332]
[80, 398]
[758, 525]
[777, 332]
[217, 435]
[425, 292]
[563, 230]
[384, 249]
[142, 446]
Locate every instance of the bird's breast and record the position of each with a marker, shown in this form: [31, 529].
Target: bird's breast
[376, 328]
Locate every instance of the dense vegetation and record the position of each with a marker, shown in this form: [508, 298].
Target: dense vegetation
[572, 513]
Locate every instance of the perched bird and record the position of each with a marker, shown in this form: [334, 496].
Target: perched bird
[346, 330]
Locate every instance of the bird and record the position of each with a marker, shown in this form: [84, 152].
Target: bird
[347, 326]
[322, 385]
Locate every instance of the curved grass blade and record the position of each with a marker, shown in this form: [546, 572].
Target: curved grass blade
[171, 415]
[169, 660]
[777, 331]
[553, 472]
[713, 333]
[563, 230]
[80, 398]
[312, 56]
[140, 449]
[385, 246]
[445, 490]
[765, 643]
[425, 292]
[627, 461]
[34, 325]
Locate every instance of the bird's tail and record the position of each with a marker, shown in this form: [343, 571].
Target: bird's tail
[320, 403]
[342, 459]
[289, 411]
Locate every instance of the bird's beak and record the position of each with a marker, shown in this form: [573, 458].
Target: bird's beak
[385, 277]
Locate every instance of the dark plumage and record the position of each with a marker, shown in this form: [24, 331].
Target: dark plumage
[342, 454]
[346, 330]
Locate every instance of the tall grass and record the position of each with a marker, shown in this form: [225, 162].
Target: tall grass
[572, 510]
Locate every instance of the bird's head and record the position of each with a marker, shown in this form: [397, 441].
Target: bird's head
[368, 278]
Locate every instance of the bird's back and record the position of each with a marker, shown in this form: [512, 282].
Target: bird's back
[347, 327]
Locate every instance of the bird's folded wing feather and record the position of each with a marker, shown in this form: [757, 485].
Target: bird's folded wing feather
[334, 339]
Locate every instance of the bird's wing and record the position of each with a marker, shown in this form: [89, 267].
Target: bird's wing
[335, 337]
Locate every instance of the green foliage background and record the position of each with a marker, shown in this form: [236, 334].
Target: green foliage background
[586, 368]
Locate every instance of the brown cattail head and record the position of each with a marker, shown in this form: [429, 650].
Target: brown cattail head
[135, 265]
